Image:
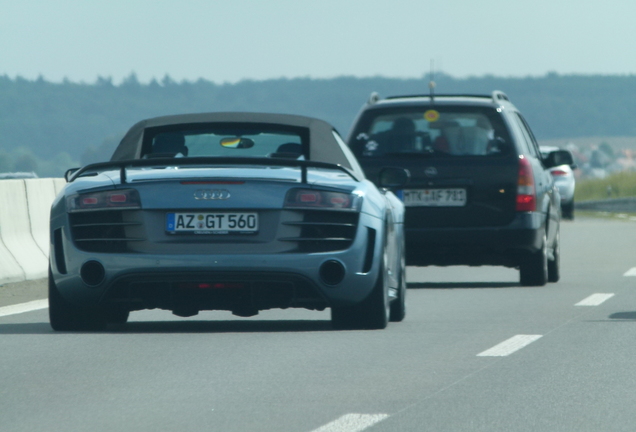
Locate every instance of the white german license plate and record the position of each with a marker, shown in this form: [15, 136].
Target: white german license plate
[434, 197]
[212, 223]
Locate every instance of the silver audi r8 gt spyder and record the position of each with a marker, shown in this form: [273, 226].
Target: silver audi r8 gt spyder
[227, 211]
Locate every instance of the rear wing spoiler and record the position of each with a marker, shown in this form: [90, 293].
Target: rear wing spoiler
[94, 169]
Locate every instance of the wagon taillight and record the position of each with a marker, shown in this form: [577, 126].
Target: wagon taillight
[526, 192]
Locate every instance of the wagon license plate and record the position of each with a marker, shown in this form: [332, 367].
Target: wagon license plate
[434, 197]
[212, 223]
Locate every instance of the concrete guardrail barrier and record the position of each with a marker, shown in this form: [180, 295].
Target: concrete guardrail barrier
[24, 227]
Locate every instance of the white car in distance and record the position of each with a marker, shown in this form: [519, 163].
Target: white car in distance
[564, 180]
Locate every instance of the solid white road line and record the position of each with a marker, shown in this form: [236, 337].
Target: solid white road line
[352, 423]
[509, 346]
[630, 272]
[594, 299]
[24, 307]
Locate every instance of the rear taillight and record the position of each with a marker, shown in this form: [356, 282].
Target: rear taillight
[104, 200]
[310, 198]
[526, 193]
[558, 173]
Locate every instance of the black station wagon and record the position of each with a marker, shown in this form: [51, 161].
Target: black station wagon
[480, 192]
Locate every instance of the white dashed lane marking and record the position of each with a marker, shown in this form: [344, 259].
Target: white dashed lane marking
[24, 307]
[595, 299]
[509, 346]
[630, 272]
[352, 423]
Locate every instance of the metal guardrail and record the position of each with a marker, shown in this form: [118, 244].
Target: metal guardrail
[612, 205]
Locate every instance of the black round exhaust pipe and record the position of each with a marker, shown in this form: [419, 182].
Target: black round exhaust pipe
[92, 273]
[332, 272]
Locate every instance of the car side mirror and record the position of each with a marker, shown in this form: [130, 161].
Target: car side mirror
[558, 157]
[69, 173]
[393, 177]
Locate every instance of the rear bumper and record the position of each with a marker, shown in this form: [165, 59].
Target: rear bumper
[186, 292]
[566, 190]
[476, 246]
[216, 282]
[263, 281]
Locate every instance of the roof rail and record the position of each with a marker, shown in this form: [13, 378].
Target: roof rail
[498, 95]
[373, 98]
[440, 95]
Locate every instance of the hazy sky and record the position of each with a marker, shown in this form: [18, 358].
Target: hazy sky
[231, 40]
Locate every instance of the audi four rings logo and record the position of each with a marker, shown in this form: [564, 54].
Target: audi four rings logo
[430, 171]
[212, 194]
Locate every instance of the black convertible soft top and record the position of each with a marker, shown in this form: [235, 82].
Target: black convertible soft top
[323, 145]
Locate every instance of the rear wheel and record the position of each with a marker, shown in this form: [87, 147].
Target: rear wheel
[63, 316]
[398, 305]
[373, 313]
[344, 318]
[533, 270]
[567, 210]
[116, 316]
[375, 310]
[554, 265]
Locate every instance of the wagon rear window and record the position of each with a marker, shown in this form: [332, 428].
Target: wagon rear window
[442, 131]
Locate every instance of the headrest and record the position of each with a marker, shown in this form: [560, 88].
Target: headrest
[290, 148]
[403, 125]
[170, 143]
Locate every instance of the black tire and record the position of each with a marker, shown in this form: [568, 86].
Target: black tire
[554, 265]
[567, 210]
[398, 305]
[66, 317]
[344, 318]
[372, 313]
[533, 270]
[375, 310]
[116, 316]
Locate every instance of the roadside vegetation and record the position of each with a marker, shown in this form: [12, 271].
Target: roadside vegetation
[618, 185]
[23, 159]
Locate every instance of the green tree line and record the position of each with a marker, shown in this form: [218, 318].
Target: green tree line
[48, 126]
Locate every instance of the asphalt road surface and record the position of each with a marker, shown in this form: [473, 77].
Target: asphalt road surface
[477, 352]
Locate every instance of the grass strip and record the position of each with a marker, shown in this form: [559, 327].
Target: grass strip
[617, 185]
